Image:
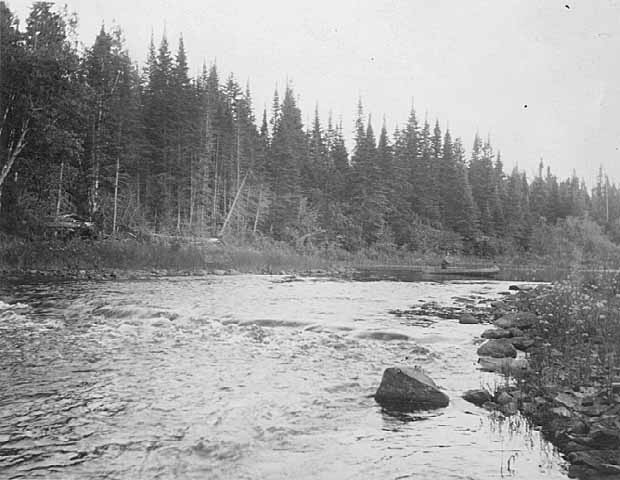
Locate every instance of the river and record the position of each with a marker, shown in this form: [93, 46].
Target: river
[245, 377]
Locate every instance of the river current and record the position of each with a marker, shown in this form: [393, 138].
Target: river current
[245, 377]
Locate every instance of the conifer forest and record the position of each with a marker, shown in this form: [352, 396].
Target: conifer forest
[142, 146]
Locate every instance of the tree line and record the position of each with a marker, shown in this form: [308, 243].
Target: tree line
[153, 149]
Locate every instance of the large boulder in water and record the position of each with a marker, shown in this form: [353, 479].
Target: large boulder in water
[522, 320]
[409, 389]
[497, 348]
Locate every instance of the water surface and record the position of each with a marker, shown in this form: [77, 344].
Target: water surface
[245, 377]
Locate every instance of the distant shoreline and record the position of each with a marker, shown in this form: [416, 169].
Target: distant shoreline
[130, 258]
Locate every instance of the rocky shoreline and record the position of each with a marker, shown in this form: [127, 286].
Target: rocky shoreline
[582, 421]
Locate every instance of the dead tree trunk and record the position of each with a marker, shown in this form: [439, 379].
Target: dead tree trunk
[15, 148]
[232, 207]
[258, 205]
[59, 200]
[118, 168]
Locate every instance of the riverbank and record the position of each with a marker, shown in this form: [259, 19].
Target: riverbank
[121, 258]
[570, 386]
[132, 258]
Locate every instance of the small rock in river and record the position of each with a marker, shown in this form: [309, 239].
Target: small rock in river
[497, 348]
[409, 389]
[478, 397]
[468, 319]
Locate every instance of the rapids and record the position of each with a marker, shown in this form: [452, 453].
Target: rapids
[245, 377]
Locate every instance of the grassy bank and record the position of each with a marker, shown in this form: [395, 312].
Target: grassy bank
[190, 255]
[572, 389]
[580, 323]
[258, 255]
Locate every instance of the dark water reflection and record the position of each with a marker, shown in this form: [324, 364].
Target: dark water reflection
[243, 377]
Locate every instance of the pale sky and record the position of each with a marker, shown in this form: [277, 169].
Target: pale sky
[473, 64]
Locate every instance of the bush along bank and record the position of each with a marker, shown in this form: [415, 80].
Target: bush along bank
[568, 380]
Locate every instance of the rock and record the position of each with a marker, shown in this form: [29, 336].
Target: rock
[409, 389]
[604, 437]
[507, 366]
[594, 459]
[468, 319]
[478, 397]
[491, 406]
[522, 320]
[574, 447]
[516, 332]
[495, 333]
[561, 412]
[522, 343]
[528, 408]
[514, 288]
[497, 304]
[595, 410]
[567, 399]
[509, 408]
[578, 427]
[499, 365]
[540, 401]
[497, 348]
[503, 398]
[219, 272]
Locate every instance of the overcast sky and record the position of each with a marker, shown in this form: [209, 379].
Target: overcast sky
[473, 64]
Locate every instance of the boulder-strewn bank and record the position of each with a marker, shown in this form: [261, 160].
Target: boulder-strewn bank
[568, 381]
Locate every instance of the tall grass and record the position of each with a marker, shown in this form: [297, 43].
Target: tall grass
[88, 255]
[580, 331]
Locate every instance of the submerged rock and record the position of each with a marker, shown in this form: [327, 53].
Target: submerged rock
[497, 348]
[478, 397]
[468, 319]
[409, 389]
